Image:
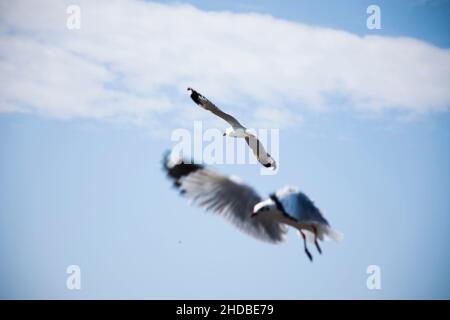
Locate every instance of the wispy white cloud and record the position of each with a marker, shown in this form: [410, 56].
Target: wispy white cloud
[132, 61]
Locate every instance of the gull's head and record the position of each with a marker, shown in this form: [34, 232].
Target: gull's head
[229, 132]
[189, 89]
[263, 207]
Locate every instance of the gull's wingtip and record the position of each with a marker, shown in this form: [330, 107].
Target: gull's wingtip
[177, 166]
[270, 165]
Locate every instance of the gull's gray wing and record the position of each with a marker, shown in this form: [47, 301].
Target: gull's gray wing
[299, 207]
[208, 105]
[225, 196]
[260, 153]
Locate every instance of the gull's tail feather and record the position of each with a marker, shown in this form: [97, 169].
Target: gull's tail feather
[334, 234]
[323, 233]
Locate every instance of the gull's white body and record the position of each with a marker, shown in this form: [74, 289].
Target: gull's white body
[230, 132]
[238, 133]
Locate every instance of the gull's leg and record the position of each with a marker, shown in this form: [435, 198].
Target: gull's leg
[306, 249]
[315, 240]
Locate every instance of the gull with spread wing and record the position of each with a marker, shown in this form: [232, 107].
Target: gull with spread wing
[237, 130]
[264, 219]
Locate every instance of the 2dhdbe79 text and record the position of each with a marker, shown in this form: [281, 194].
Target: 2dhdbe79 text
[246, 309]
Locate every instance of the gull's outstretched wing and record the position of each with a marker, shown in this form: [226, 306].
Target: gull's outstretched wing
[208, 105]
[225, 196]
[260, 152]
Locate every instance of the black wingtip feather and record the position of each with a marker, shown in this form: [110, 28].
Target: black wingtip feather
[195, 96]
[178, 170]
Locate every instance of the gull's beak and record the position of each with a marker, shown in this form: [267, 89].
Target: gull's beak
[254, 214]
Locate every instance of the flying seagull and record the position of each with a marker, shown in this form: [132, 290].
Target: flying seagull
[237, 130]
[264, 219]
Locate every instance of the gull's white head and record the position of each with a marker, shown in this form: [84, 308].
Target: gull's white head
[235, 133]
[263, 207]
[229, 132]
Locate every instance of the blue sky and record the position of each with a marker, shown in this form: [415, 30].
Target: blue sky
[85, 116]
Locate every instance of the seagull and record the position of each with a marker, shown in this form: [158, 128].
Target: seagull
[264, 219]
[237, 130]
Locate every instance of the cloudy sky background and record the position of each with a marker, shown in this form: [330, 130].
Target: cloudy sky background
[86, 114]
